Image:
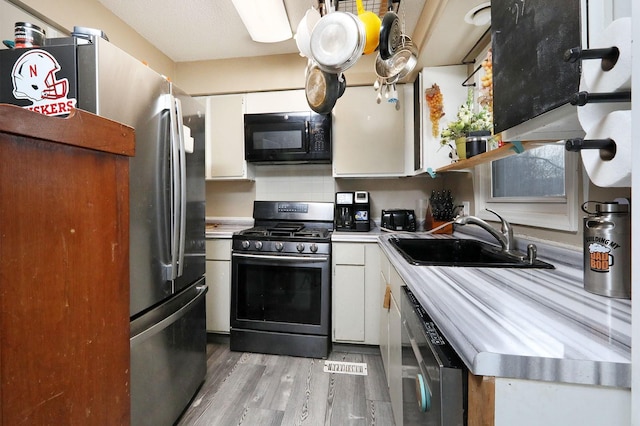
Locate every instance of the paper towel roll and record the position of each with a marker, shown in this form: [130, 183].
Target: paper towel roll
[591, 113]
[616, 172]
[617, 34]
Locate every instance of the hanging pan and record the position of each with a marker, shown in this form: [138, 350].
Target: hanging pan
[322, 89]
[390, 33]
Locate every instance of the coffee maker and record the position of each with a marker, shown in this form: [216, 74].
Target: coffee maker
[352, 211]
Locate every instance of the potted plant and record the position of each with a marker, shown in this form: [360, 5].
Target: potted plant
[455, 133]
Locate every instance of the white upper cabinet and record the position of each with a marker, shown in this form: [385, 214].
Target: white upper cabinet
[371, 139]
[449, 78]
[282, 101]
[225, 139]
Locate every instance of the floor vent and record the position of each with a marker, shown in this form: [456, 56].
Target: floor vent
[340, 367]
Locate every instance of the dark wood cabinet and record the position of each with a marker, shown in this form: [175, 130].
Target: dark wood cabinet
[64, 269]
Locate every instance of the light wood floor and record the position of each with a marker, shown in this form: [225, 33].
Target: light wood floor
[257, 389]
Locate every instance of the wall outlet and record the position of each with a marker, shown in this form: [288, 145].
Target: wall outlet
[466, 208]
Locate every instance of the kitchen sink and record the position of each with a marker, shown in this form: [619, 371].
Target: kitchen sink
[459, 252]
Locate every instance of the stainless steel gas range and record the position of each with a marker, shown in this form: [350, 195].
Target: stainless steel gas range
[281, 280]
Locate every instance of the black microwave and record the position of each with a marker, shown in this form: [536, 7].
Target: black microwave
[292, 137]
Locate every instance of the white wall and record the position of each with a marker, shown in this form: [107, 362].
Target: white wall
[65, 14]
[12, 14]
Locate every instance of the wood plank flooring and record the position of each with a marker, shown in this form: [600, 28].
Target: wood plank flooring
[271, 390]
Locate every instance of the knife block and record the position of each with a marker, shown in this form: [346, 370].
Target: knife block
[446, 230]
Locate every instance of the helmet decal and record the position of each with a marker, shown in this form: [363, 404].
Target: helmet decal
[34, 78]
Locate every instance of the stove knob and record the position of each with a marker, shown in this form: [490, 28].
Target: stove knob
[314, 248]
[300, 247]
[259, 245]
[279, 246]
[246, 244]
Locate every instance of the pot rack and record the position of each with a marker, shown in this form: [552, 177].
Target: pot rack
[379, 7]
[484, 39]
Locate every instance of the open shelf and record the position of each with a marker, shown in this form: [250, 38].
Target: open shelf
[506, 150]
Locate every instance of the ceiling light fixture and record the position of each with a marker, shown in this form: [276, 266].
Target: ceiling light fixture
[479, 15]
[266, 20]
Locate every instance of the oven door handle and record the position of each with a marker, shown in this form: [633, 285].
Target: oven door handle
[275, 257]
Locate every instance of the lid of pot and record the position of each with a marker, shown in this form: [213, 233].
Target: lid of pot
[337, 41]
[612, 207]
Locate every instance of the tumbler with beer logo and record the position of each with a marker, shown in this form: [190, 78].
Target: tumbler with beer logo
[607, 250]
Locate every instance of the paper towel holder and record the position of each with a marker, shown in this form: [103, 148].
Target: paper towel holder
[583, 98]
[609, 56]
[606, 146]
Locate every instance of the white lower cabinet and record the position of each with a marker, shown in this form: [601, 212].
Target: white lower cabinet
[395, 359]
[354, 292]
[384, 324]
[391, 333]
[218, 278]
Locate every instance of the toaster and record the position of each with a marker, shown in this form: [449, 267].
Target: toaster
[398, 220]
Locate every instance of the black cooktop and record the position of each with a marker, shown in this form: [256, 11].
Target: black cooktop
[290, 219]
[287, 230]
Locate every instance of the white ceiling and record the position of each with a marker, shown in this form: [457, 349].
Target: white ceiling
[196, 30]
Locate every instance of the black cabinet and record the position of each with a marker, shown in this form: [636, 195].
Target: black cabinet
[530, 76]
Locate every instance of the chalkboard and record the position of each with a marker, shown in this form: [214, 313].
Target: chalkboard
[530, 76]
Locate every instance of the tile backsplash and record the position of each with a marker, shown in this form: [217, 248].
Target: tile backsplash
[314, 182]
[299, 182]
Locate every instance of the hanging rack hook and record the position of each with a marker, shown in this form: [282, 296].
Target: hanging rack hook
[464, 83]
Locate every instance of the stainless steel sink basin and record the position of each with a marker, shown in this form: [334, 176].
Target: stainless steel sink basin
[459, 252]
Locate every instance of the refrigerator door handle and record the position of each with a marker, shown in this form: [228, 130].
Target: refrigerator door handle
[182, 184]
[172, 267]
[168, 320]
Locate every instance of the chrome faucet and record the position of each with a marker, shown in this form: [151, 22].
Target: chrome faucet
[505, 237]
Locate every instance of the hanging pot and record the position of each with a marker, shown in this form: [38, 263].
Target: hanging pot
[371, 23]
[337, 41]
[322, 89]
[390, 34]
[304, 30]
[405, 58]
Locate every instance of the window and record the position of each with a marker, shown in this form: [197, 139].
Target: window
[537, 173]
[535, 188]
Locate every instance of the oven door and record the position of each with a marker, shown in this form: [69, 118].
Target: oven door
[281, 293]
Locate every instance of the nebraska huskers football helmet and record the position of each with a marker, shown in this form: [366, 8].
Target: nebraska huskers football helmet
[34, 77]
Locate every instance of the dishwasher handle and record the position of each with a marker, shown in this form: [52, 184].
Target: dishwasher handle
[423, 393]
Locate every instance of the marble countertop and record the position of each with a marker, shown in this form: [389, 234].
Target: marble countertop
[358, 237]
[526, 323]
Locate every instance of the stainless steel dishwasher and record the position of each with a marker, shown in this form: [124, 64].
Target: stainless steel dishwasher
[434, 378]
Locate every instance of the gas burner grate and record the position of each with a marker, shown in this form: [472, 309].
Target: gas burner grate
[287, 227]
[254, 232]
[296, 231]
[310, 234]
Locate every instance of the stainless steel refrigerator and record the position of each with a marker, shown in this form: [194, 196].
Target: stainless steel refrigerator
[167, 246]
